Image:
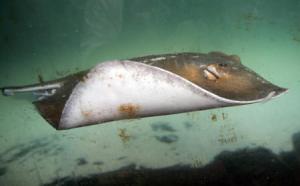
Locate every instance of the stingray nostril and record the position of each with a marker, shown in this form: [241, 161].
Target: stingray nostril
[222, 65]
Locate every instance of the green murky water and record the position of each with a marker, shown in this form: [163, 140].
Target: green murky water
[58, 37]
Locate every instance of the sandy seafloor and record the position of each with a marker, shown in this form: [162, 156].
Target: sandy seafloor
[56, 38]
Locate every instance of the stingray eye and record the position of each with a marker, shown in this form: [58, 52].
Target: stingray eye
[222, 65]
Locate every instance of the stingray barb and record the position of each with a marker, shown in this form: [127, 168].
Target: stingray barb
[148, 86]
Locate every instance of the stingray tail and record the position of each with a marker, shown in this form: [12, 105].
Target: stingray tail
[45, 89]
[42, 89]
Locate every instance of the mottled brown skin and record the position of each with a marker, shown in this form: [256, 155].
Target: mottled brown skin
[237, 83]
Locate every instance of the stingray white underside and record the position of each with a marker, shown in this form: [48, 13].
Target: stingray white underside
[120, 89]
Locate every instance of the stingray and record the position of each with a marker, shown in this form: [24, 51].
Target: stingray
[148, 86]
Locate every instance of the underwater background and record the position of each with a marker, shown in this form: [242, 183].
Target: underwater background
[256, 144]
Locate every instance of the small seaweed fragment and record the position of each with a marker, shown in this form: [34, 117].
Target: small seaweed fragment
[187, 125]
[98, 163]
[162, 127]
[167, 138]
[213, 117]
[81, 161]
[224, 116]
[40, 78]
[121, 158]
[124, 135]
[3, 171]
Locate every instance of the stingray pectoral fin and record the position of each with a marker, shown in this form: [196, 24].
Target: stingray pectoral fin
[117, 90]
